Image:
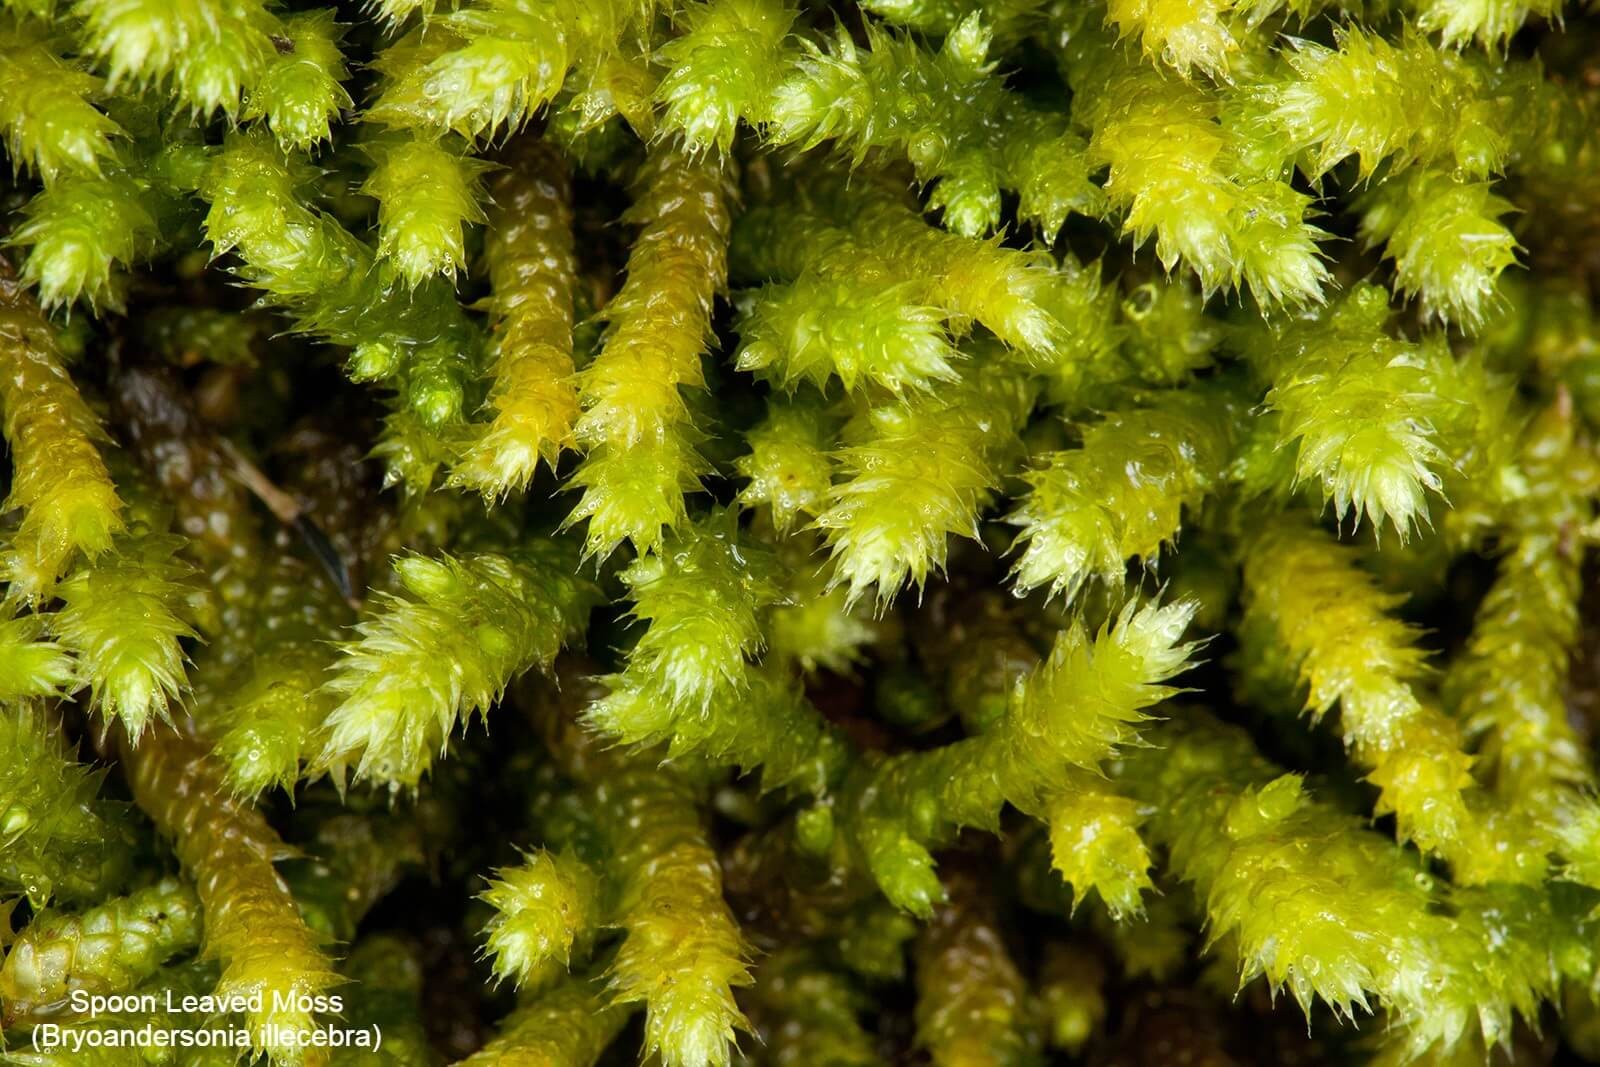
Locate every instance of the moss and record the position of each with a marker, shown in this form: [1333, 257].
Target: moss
[110, 948]
[252, 927]
[698, 531]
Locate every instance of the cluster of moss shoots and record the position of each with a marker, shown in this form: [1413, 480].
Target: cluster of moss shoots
[982, 532]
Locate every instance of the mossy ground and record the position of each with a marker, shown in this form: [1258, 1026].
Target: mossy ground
[973, 532]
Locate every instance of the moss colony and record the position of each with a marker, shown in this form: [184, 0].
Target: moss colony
[981, 533]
